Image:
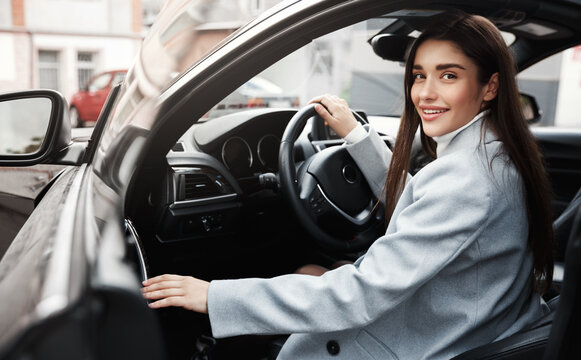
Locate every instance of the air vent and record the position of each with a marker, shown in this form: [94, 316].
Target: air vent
[199, 186]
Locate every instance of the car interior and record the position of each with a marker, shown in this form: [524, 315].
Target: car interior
[215, 206]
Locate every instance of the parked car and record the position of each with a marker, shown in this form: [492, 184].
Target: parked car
[86, 104]
[159, 188]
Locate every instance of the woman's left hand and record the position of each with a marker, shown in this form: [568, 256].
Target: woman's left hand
[176, 290]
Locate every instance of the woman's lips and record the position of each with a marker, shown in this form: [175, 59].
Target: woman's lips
[430, 114]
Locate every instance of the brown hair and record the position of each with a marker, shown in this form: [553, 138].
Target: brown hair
[481, 41]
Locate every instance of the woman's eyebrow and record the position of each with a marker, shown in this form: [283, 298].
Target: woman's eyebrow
[441, 66]
[449, 66]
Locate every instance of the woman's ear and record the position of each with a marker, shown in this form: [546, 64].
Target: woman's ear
[491, 87]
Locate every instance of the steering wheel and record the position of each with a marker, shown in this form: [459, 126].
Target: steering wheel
[328, 193]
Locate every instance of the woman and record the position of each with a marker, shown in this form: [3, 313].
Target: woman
[469, 237]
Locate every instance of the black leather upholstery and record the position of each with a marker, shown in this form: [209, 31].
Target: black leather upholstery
[565, 338]
[563, 225]
[528, 344]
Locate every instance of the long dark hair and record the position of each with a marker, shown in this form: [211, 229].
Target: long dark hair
[481, 41]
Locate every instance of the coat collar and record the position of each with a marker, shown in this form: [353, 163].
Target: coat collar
[474, 133]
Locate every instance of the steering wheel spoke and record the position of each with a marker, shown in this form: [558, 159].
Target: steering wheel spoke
[318, 204]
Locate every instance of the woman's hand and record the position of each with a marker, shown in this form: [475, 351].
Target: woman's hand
[175, 290]
[336, 113]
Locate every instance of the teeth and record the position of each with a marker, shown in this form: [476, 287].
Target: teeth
[426, 111]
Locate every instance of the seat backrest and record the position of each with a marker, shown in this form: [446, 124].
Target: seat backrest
[565, 337]
[563, 225]
[557, 334]
[528, 344]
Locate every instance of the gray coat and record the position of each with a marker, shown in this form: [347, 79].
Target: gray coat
[452, 272]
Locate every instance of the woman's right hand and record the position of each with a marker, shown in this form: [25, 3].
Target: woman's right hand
[336, 113]
[176, 290]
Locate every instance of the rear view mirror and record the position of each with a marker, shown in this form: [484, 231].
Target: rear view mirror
[34, 127]
[530, 109]
[393, 47]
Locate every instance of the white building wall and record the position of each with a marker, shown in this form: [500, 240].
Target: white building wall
[7, 60]
[5, 13]
[16, 65]
[101, 27]
[80, 16]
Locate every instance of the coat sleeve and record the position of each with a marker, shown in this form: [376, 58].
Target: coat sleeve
[372, 156]
[447, 210]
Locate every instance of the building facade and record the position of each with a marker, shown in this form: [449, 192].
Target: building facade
[59, 44]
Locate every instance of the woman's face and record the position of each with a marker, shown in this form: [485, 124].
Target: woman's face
[445, 90]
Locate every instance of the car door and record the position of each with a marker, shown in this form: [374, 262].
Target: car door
[70, 279]
[19, 187]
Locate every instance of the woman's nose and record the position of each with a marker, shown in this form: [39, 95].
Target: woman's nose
[428, 90]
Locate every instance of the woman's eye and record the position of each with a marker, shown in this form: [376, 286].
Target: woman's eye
[449, 76]
[418, 76]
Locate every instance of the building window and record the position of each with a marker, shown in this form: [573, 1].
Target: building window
[85, 67]
[48, 69]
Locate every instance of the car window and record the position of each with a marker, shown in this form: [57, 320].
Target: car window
[341, 63]
[555, 83]
[100, 82]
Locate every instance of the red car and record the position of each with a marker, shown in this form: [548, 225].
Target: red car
[86, 104]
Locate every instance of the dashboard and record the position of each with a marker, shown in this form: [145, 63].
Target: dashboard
[218, 165]
[214, 168]
[246, 143]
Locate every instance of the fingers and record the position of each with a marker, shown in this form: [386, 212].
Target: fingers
[176, 290]
[161, 278]
[154, 294]
[164, 285]
[176, 301]
[336, 113]
[332, 104]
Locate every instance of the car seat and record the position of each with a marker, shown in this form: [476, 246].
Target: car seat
[557, 335]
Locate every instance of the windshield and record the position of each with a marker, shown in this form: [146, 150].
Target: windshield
[341, 63]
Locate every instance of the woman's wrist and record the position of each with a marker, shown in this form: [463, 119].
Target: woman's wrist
[357, 134]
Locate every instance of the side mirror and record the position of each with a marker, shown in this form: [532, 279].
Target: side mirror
[393, 47]
[34, 127]
[530, 108]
